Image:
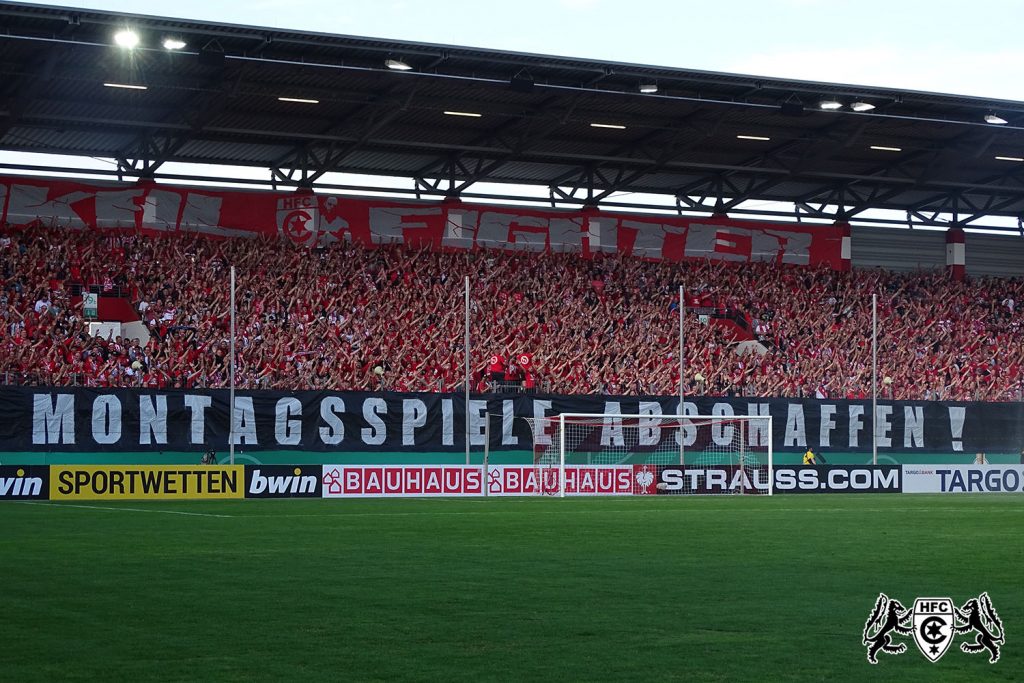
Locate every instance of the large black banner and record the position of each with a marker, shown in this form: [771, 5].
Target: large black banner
[68, 420]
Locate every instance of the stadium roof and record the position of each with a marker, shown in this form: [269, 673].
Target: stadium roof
[713, 141]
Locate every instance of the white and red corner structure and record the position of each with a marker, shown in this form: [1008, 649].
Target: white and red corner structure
[956, 253]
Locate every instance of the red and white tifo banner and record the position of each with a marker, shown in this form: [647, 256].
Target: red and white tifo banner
[372, 481]
[312, 220]
[580, 480]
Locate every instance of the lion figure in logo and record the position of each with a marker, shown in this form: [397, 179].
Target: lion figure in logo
[888, 615]
[978, 614]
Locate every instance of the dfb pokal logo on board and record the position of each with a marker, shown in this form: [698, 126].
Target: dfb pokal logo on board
[644, 478]
[933, 623]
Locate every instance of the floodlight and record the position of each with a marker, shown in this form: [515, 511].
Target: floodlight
[126, 38]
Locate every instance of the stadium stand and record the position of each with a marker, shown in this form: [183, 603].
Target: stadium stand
[349, 318]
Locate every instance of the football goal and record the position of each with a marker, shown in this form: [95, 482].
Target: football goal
[684, 454]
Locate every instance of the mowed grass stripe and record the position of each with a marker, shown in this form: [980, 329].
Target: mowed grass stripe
[740, 588]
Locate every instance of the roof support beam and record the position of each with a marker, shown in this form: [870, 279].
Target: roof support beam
[517, 136]
[373, 115]
[153, 151]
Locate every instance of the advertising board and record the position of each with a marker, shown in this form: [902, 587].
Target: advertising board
[376, 481]
[283, 481]
[963, 478]
[725, 479]
[24, 482]
[145, 482]
[580, 480]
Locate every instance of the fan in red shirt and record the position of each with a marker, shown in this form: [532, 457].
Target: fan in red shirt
[496, 367]
[527, 372]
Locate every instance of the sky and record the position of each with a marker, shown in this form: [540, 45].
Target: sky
[950, 46]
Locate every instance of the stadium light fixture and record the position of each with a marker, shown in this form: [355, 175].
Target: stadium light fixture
[397, 65]
[760, 138]
[995, 119]
[830, 105]
[126, 38]
[862, 106]
[883, 148]
[648, 88]
[470, 114]
[613, 126]
[126, 86]
[171, 43]
[1018, 159]
[300, 100]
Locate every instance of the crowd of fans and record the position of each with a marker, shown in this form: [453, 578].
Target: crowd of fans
[392, 318]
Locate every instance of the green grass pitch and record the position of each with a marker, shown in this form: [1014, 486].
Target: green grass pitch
[690, 589]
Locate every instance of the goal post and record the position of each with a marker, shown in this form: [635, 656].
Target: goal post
[485, 460]
[722, 453]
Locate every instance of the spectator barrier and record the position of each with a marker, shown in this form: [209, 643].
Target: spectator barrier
[218, 482]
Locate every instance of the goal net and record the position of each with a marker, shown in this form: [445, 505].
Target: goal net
[682, 454]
